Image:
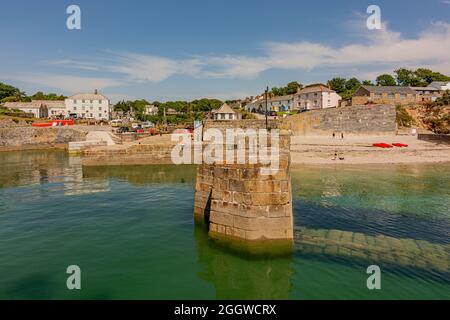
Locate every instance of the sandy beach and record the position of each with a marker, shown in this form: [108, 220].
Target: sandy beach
[360, 150]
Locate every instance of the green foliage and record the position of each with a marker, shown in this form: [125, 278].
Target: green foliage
[10, 91]
[367, 83]
[403, 118]
[337, 84]
[418, 78]
[443, 101]
[345, 88]
[386, 80]
[51, 96]
[290, 88]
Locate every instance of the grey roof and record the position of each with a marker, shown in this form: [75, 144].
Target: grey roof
[87, 96]
[424, 89]
[393, 89]
[225, 108]
[438, 84]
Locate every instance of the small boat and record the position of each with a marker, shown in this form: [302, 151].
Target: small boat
[400, 145]
[382, 145]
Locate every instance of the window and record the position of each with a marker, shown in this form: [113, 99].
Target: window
[222, 116]
[92, 108]
[391, 96]
[75, 101]
[74, 108]
[83, 101]
[402, 96]
[92, 115]
[83, 108]
[90, 101]
[100, 101]
[100, 108]
[378, 95]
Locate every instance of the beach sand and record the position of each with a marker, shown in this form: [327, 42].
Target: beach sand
[359, 150]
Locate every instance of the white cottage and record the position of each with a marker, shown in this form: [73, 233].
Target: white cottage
[225, 112]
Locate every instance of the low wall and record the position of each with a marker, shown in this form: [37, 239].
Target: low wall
[352, 120]
[140, 154]
[18, 138]
[437, 138]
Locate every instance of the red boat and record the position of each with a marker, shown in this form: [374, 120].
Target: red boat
[54, 123]
[400, 145]
[382, 145]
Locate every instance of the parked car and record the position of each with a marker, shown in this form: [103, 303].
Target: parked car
[147, 124]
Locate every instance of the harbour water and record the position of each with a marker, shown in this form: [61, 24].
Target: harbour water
[131, 231]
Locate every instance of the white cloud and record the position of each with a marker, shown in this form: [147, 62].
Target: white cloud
[380, 50]
[67, 83]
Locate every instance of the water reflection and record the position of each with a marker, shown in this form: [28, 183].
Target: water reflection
[241, 276]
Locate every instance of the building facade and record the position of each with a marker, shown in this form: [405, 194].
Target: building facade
[385, 95]
[40, 108]
[88, 106]
[277, 104]
[316, 96]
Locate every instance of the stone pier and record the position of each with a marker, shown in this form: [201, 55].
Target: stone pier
[243, 202]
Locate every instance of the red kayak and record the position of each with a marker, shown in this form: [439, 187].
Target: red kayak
[400, 145]
[382, 145]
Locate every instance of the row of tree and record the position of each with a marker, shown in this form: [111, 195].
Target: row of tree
[11, 94]
[186, 109]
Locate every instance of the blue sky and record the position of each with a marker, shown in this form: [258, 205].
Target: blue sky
[167, 50]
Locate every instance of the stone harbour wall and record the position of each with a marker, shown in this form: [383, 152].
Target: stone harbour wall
[238, 201]
[351, 120]
[27, 137]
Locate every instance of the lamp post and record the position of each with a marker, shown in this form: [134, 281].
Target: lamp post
[266, 93]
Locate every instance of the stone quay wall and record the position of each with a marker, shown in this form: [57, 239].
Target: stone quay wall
[238, 201]
[436, 138]
[139, 154]
[351, 120]
[27, 137]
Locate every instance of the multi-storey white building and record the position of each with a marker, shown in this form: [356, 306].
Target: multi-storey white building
[316, 96]
[89, 106]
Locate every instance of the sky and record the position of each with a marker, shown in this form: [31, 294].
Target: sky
[226, 49]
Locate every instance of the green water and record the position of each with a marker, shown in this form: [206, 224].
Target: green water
[131, 231]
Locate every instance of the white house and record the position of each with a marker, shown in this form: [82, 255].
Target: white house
[225, 112]
[281, 103]
[88, 106]
[40, 108]
[151, 110]
[316, 96]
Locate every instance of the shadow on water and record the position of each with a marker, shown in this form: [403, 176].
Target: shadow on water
[242, 275]
[34, 287]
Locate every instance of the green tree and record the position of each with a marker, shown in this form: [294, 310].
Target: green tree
[337, 84]
[10, 91]
[352, 84]
[386, 80]
[427, 76]
[406, 77]
[367, 83]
